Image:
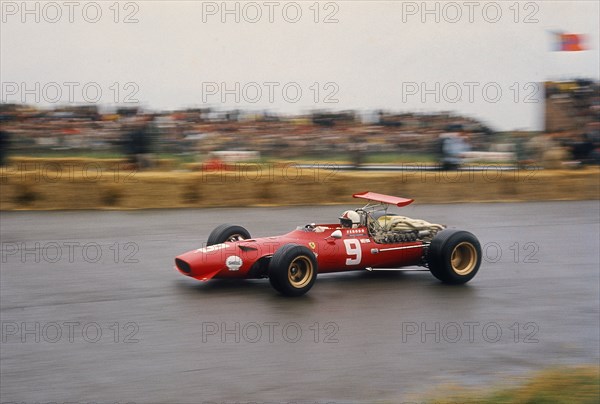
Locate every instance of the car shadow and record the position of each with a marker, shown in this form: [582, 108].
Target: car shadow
[246, 290]
[347, 281]
[221, 286]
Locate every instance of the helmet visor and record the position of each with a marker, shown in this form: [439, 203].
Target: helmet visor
[346, 222]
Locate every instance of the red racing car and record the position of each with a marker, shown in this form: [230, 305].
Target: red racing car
[368, 238]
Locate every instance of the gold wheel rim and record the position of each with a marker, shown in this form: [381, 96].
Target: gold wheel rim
[300, 272]
[464, 258]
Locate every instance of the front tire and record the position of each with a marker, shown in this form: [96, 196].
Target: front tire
[293, 270]
[454, 256]
[227, 233]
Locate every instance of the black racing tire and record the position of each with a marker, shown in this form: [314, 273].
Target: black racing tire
[275, 284]
[454, 256]
[227, 232]
[293, 270]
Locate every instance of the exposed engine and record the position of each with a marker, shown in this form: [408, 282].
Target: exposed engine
[396, 229]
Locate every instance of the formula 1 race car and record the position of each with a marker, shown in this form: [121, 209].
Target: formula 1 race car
[368, 238]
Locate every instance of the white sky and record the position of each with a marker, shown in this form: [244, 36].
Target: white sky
[379, 54]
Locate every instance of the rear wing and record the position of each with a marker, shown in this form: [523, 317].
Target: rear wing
[391, 200]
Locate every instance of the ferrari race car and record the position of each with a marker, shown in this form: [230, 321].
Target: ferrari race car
[368, 238]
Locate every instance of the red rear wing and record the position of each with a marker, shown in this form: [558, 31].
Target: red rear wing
[392, 200]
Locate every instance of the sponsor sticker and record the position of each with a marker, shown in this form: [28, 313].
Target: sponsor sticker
[233, 263]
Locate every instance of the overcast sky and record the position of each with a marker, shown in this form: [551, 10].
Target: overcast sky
[482, 59]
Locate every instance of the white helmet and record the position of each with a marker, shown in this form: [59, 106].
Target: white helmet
[350, 219]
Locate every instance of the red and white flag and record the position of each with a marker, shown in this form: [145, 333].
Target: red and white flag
[569, 42]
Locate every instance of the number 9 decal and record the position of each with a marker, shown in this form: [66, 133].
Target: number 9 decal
[353, 249]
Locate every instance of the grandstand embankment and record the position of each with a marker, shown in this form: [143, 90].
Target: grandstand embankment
[110, 184]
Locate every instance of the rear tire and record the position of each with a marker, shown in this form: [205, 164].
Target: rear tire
[293, 270]
[227, 233]
[454, 256]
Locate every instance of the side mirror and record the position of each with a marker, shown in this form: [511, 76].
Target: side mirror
[336, 234]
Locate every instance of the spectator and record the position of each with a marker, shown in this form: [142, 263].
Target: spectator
[4, 141]
[453, 145]
[581, 149]
[139, 142]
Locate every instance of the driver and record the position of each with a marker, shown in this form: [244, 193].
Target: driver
[350, 219]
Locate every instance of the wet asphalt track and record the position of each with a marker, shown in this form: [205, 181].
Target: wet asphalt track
[354, 338]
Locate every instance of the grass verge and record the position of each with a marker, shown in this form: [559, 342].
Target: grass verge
[561, 385]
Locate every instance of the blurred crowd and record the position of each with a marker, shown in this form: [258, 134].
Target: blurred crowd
[572, 122]
[573, 128]
[202, 131]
